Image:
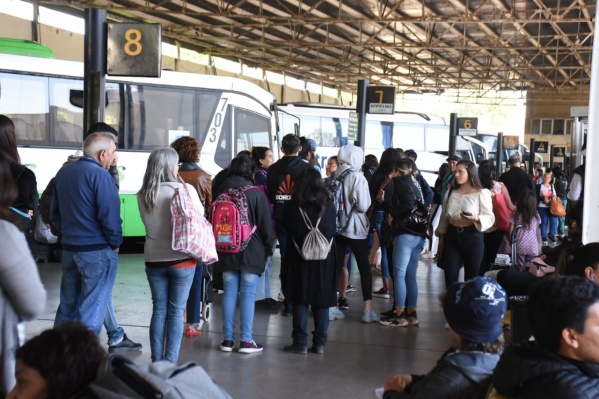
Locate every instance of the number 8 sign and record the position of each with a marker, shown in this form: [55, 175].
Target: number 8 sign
[134, 49]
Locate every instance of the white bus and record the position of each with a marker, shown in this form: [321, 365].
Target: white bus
[327, 124]
[44, 98]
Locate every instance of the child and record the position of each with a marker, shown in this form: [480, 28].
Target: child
[527, 239]
[473, 310]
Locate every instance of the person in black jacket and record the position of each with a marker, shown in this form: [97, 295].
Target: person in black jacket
[314, 282]
[280, 183]
[516, 180]
[563, 362]
[407, 245]
[27, 200]
[241, 270]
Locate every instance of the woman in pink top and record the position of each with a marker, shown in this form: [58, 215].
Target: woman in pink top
[545, 192]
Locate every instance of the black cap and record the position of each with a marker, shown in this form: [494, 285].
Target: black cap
[453, 158]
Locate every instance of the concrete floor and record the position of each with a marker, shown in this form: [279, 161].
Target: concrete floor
[358, 357]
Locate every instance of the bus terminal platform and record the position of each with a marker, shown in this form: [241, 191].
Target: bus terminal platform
[358, 357]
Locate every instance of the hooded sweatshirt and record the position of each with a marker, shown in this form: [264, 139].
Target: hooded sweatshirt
[457, 375]
[531, 372]
[356, 195]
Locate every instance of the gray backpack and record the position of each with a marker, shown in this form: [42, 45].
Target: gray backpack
[119, 378]
[315, 245]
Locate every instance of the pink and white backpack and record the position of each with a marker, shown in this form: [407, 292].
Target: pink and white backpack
[230, 220]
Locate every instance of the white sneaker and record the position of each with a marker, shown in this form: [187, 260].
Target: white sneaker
[281, 297]
[427, 255]
[335, 314]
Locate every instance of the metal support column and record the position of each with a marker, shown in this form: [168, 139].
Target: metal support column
[531, 157]
[361, 110]
[94, 65]
[499, 156]
[453, 133]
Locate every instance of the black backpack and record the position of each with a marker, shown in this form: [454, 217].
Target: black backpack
[335, 186]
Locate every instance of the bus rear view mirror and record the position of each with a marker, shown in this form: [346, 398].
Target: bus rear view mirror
[76, 98]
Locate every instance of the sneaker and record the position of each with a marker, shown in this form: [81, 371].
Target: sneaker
[398, 321]
[192, 332]
[124, 346]
[412, 318]
[382, 293]
[545, 243]
[370, 316]
[552, 239]
[227, 345]
[427, 255]
[281, 297]
[300, 350]
[389, 314]
[269, 304]
[319, 349]
[249, 347]
[350, 288]
[335, 314]
[342, 303]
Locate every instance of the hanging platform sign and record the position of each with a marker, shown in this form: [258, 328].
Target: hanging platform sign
[380, 99]
[134, 49]
[352, 127]
[467, 126]
[541, 147]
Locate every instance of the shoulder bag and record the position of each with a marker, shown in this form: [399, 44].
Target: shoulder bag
[416, 221]
[557, 207]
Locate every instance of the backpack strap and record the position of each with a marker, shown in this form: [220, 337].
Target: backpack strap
[307, 220]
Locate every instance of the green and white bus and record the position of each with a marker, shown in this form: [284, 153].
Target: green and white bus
[44, 97]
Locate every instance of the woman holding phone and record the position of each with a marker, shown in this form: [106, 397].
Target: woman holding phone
[467, 213]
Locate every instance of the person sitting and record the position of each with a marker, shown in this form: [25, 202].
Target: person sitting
[474, 310]
[563, 362]
[58, 363]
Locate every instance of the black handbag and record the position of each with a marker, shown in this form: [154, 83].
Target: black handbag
[416, 221]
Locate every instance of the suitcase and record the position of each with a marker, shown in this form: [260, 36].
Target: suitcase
[511, 264]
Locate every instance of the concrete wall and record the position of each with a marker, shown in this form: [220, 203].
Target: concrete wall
[552, 105]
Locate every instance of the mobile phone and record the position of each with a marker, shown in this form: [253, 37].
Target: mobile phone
[467, 213]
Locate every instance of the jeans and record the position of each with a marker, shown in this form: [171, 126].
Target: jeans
[561, 222]
[86, 287]
[406, 250]
[244, 283]
[462, 246]
[194, 302]
[113, 330]
[547, 218]
[377, 221]
[170, 290]
[300, 325]
[263, 286]
[360, 249]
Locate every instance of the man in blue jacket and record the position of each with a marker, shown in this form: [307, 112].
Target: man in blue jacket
[86, 209]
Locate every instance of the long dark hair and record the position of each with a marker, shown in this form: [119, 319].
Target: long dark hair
[243, 166]
[258, 154]
[311, 193]
[486, 173]
[8, 191]
[472, 172]
[8, 140]
[387, 162]
[526, 207]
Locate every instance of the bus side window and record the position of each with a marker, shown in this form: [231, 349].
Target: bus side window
[66, 119]
[251, 130]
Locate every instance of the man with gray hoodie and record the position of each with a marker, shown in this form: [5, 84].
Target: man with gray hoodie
[356, 201]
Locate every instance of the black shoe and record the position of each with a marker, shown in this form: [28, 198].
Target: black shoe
[552, 239]
[342, 303]
[269, 304]
[125, 345]
[317, 349]
[300, 350]
[390, 314]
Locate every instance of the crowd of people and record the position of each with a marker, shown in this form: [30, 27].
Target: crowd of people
[362, 205]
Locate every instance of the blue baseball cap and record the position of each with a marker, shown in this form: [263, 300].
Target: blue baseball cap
[474, 309]
[312, 144]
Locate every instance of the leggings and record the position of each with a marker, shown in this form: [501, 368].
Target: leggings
[359, 247]
[463, 246]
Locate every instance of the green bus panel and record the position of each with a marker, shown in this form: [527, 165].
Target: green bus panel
[132, 224]
[24, 47]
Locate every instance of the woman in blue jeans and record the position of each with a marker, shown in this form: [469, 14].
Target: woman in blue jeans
[406, 247]
[241, 270]
[545, 192]
[170, 273]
